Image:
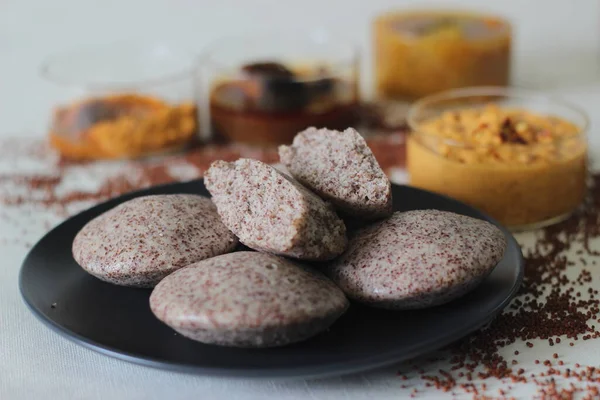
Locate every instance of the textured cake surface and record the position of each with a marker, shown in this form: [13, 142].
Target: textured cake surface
[141, 241]
[248, 299]
[268, 211]
[418, 259]
[340, 167]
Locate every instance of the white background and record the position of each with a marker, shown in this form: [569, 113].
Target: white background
[557, 49]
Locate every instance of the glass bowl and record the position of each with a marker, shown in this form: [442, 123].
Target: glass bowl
[123, 100]
[263, 89]
[519, 156]
[422, 52]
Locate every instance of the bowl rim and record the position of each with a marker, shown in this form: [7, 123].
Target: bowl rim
[45, 69]
[440, 9]
[318, 36]
[480, 91]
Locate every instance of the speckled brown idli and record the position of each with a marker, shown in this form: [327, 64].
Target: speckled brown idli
[141, 241]
[268, 211]
[341, 168]
[418, 259]
[247, 299]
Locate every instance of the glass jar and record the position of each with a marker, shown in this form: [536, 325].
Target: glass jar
[419, 53]
[519, 156]
[122, 101]
[263, 89]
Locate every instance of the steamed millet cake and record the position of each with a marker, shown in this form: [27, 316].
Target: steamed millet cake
[340, 167]
[248, 299]
[418, 259]
[141, 241]
[270, 212]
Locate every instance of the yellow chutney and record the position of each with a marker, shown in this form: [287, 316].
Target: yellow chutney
[522, 168]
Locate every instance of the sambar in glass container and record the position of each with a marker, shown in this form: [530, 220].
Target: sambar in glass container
[263, 89]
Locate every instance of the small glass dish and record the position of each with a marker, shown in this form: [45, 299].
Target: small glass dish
[519, 156]
[122, 101]
[263, 89]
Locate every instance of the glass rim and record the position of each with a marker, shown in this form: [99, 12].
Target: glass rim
[481, 91]
[440, 10]
[45, 69]
[318, 36]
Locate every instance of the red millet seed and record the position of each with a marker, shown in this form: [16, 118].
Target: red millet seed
[546, 308]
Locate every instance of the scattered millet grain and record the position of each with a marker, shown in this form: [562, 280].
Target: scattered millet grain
[548, 306]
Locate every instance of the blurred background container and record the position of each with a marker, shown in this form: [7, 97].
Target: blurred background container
[556, 43]
[264, 88]
[422, 52]
[122, 100]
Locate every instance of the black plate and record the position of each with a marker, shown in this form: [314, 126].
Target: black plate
[117, 321]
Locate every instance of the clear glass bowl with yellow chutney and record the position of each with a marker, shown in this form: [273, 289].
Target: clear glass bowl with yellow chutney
[125, 100]
[421, 52]
[519, 156]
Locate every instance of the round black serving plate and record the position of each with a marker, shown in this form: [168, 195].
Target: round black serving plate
[117, 321]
